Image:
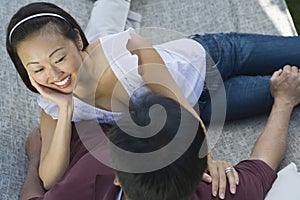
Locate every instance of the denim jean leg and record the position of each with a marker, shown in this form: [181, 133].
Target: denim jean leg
[213, 76]
[220, 52]
[247, 96]
[250, 54]
[255, 54]
[243, 61]
[248, 62]
[212, 48]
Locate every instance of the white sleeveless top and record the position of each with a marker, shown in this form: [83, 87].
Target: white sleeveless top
[184, 58]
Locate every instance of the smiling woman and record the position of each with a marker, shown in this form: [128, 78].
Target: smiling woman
[43, 42]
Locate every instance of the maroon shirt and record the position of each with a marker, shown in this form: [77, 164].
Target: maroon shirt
[83, 175]
[88, 179]
[255, 180]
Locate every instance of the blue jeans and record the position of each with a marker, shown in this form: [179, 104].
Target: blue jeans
[246, 63]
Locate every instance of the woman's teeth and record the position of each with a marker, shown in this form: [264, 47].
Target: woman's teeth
[63, 82]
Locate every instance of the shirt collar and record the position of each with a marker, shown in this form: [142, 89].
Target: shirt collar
[119, 197]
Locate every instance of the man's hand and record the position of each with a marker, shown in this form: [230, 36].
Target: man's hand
[33, 186]
[271, 144]
[285, 86]
[33, 146]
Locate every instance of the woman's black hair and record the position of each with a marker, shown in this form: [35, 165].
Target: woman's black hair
[67, 28]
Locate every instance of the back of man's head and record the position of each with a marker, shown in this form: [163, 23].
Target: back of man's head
[177, 179]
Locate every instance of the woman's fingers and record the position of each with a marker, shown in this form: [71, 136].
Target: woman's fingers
[232, 177]
[222, 181]
[220, 172]
[206, 178]
[36, 85]
[213, 170]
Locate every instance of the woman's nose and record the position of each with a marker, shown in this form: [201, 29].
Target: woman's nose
[54, 73]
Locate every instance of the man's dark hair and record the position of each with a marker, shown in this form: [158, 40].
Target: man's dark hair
[176, 181]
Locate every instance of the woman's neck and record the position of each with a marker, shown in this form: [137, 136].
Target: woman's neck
[90, 73]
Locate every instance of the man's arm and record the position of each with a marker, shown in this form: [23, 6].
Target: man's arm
[33, 186]
[271, 144]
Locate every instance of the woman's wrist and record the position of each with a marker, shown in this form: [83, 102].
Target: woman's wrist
[66, 110]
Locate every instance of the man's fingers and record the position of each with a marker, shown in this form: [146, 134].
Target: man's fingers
[287, 68]
[295, 69]
[276, 74]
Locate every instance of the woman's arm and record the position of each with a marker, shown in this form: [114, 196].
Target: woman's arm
[55, 153]
[155, 74]
[56, 136]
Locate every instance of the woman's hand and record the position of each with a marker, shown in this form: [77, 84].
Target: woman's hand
[59, 98]
[217, 176]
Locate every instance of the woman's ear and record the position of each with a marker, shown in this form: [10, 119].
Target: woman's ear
[79, 42]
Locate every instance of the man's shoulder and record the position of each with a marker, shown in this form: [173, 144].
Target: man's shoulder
[256, 178]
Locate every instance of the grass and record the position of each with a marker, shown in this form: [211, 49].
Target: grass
[294, 8]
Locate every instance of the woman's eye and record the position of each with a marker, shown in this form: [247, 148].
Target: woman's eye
[60, 60]
[38, 70]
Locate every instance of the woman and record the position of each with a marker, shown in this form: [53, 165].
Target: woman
[74, 78]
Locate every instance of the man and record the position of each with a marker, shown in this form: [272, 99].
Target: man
[180, 179]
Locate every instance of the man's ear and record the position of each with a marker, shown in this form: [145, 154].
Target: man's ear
[79, 42]
[117, 182]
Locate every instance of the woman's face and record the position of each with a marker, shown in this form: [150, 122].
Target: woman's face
[51, 60]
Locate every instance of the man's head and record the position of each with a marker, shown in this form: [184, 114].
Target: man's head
[177, 180]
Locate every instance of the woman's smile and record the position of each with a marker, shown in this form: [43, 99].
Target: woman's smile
[64, 83]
